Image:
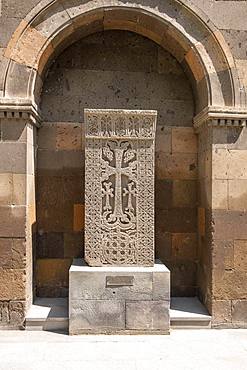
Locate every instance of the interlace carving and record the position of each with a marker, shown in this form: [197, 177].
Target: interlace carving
[119, 192]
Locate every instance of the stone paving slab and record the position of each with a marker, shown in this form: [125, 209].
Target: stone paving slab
[182, 350]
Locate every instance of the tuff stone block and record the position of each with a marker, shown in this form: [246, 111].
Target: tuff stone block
[12, 284]
[13, 157]
[114, 292]
[147, 315]
[184, 193]
[240, 255]
[221, 311]
[176, 166]
[163, 194]
[12, 314]
[50, 245]
[184, 246]
[238, 195]
[96, 316]
[13, 221]
[239, 311]
[184, 140]
[73, 244]
[69, 136]
[52, 276]
[220, 194]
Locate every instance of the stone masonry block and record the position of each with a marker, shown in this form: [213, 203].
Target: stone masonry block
[240, 255]
[13, 221]
[96, 315]
[12, 314]
[176, 166]
[99, 296]
[6, 188]
[13, 253]
[53, 271]
[229, 224]
[163, 142]
[184, 193]
[13, 157]
[239, 311]
[69, 136]
[12, 285]
[51, 20]
[8, 25]
[221, 312]
[219, 194]
[149, 315]
[184, 140]
[238, 195]
[184, 246]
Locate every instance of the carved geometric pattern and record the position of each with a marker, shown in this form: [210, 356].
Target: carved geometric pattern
[119, 187]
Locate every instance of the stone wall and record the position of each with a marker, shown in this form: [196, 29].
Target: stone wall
[17, 205]
[115, 69]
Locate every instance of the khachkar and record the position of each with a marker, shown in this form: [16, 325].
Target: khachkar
[119, 189]
[119, 287]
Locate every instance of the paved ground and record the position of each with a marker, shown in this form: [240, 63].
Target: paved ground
[183, 349]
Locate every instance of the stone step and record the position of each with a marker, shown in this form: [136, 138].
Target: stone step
[188, 313]
[51, 314]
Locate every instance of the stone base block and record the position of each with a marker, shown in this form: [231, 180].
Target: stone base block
[115, 300]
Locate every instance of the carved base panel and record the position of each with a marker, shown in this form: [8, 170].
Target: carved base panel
[112, 300]
[119, 187]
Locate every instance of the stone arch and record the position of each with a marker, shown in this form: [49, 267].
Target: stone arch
[178, 27]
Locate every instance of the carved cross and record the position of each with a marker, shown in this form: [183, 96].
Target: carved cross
[130, 192]
[108, 193]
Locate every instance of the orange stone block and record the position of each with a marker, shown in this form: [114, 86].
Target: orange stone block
[79, 216]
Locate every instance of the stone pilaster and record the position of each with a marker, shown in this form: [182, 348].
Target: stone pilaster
[222, 215]
[18, 122]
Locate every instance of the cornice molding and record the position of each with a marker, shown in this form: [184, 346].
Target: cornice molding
[221, 117]
[20, 109]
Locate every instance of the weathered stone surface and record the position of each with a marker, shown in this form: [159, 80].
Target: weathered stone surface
[52, 277]
[239, 311]
[184, 140]
[13, 221]
[119, 226]
[184, 193]
[163, 194]
[176, 166]
[49, 245]
[12, 314]
[101, 315]
[13, 157]
[12, 285]
[240, 255]
[149, 315]
[79, 217]
[220, 194]
[13, 253]
[184, 246]
[229, 224]
[92, 285]
[98, 291]
[238, 195]
[221, 311]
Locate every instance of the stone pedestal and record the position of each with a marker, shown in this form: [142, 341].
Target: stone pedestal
[112, 300]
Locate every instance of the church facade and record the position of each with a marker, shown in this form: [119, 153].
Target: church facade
[185, 59]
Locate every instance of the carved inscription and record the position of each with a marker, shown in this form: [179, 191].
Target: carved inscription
[119, 190]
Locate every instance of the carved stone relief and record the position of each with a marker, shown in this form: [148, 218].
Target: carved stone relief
[119, 187]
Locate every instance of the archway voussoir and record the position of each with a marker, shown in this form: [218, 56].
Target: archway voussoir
[195, 64]
[28, 47]
[18, 87]
[51, 20]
